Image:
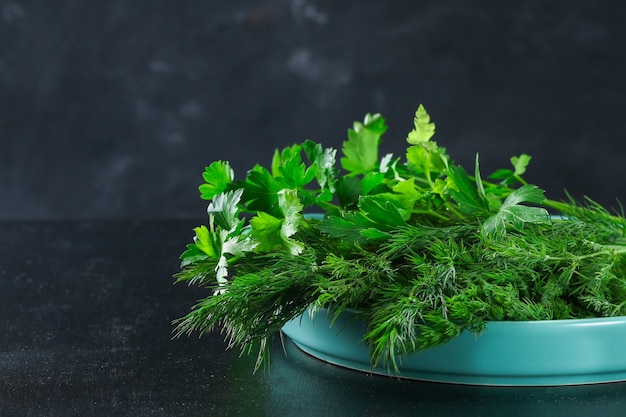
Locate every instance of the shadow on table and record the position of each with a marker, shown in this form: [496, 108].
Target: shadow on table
[301, 385]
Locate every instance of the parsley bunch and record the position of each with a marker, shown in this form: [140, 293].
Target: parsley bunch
[422, 249]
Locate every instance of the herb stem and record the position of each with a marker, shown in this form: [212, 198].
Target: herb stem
[430, 213]
[450, 207]
[521, 180]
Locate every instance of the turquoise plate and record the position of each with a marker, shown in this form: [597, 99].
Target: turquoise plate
[527, 353]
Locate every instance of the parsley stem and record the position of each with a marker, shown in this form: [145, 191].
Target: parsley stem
[450, 207]
[430, 213]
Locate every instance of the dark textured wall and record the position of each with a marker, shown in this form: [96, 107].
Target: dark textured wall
[113, 108]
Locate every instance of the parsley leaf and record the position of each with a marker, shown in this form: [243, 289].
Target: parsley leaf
[425, 157]
[224, 208]
[424, 128]
[289, 168]
[464, 192]
[383, 212]
[324, 159]
[208, 241]
[520, 163]
[376, 218]
[218, 176]
[261, 191]
[274, 233]
[347, 227]
[361, 149]
[508, 176]
[515, 215]
[349, 189]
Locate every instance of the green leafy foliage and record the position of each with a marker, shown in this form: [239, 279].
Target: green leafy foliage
[422, 248]
[465, 192]
[224, 208]
[217, 177]
[510, 177]
[361, 148]
[290, 169]
[324, 160]
[261, 191]
[513, 214]
[424, 128]
[274, 234]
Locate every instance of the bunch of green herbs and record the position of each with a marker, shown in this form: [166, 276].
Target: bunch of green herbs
[419, 247]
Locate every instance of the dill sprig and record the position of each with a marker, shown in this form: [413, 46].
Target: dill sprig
[256, 305]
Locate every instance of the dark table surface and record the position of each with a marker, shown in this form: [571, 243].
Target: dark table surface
[86, 310]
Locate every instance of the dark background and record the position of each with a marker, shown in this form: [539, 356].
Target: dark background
[112, 108]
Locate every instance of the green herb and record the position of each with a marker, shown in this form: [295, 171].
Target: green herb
[420, 248]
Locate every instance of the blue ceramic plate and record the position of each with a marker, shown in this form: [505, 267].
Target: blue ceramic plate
[527, 353]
